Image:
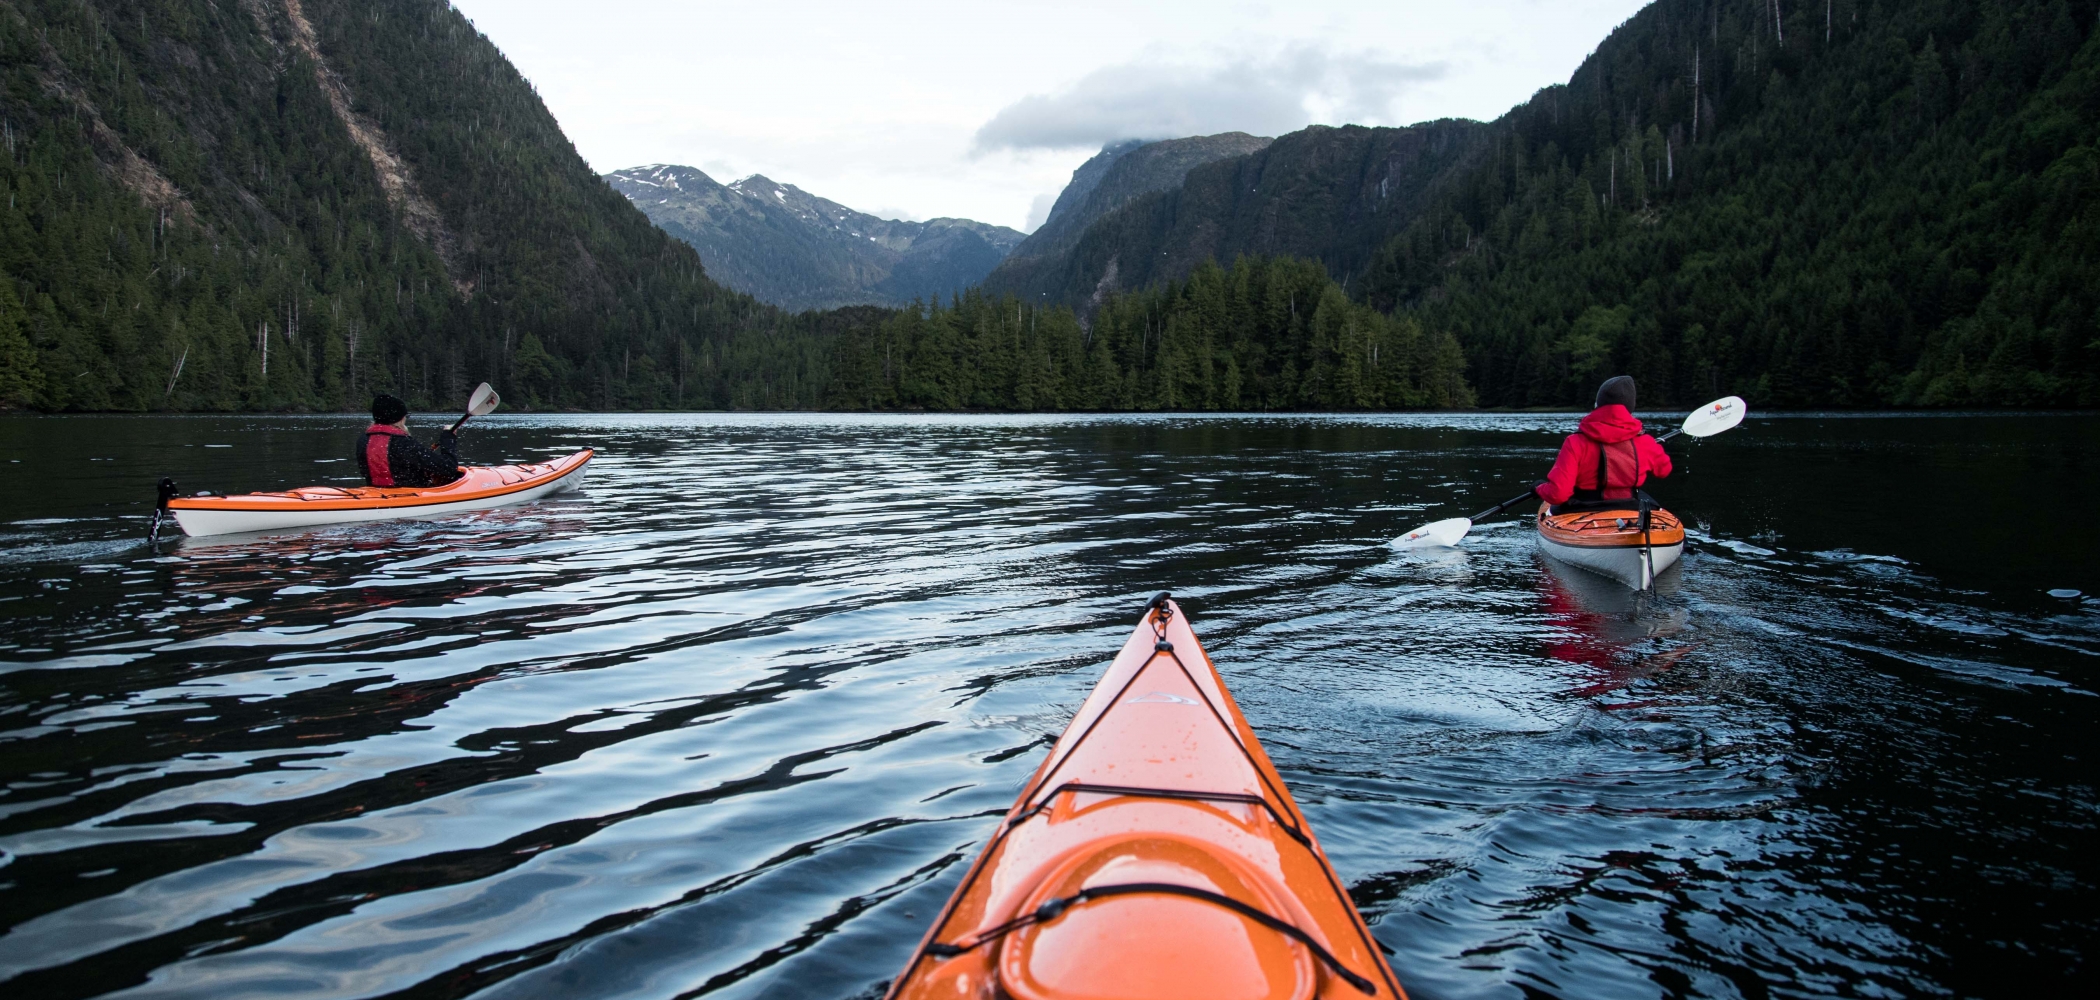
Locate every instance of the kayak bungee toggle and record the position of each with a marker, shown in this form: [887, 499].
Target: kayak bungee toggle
[1154, 854]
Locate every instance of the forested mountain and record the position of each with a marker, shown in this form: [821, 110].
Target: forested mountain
[293, 203]
[1331, 194]
[1121, 173]
[795, 250]
[1847, 204]
[1851, 203]
[1269, 334]
[289, 204]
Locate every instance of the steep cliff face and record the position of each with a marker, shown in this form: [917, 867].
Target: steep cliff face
[798, 251]
[1330, 194]
[1088, 176]
[1118, 175]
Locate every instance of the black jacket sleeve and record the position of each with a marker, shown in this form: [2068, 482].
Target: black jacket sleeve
[416, 465]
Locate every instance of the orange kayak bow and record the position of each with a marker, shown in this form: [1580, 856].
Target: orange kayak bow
[1155, 854]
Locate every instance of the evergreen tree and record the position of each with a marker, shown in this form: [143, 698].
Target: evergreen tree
[21, 379]
[1903, 214]
[1223, 340]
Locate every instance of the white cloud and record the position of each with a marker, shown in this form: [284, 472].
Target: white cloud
[1155, 99]
[882, 104]
[1039, 211]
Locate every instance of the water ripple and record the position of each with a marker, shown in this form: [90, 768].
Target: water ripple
[732, 720]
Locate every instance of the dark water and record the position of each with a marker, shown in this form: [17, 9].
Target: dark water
[732, 720]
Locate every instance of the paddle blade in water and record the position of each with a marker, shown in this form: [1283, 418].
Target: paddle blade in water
[483, 401]
[1444, 534]
[1715, 417]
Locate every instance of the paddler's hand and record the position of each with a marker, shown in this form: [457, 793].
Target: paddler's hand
[447, 438]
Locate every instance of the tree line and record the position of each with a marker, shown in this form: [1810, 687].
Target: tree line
[1876, 203]
[1265, 334]
[1855, 204]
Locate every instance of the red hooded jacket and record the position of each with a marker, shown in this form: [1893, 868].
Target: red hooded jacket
[1630, 457]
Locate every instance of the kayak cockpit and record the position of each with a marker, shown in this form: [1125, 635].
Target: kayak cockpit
[1625, 544]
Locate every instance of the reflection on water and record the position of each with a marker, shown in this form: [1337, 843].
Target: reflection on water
[733, 719]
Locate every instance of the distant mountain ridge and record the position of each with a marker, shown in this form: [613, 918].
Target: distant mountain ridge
[1121, 173]
[1330, 194]
[798, 251]
[1800, 205]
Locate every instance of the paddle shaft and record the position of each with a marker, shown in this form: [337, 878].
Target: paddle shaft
[482, 400]
[1504, 505]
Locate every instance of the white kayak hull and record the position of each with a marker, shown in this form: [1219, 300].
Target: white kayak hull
[198, 521]
[1633, 565]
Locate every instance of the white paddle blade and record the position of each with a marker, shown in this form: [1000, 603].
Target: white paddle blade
[483, 401]
[1438, 534]
[1715, 417]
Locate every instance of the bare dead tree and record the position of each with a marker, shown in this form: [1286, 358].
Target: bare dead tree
[177, 373]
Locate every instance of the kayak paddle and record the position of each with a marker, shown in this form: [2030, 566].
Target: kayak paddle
[1706, 421]
[484, 400]
[1712, 419]
[1447, 532]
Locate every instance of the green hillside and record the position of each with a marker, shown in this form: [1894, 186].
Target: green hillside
[1862, 204]
[1120, 174]
[1269, 334]
[1330, 194]
[289, 205]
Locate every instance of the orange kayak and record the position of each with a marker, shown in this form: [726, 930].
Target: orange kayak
[1155, 854]
[481, 488]
[1611, 542]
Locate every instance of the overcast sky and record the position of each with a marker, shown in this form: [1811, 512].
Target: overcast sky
[981, 109]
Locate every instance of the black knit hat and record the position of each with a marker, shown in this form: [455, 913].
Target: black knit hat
[386, 409]
[1617, 389]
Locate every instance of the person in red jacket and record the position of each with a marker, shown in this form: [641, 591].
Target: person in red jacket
[1608, 457]
[390, 457]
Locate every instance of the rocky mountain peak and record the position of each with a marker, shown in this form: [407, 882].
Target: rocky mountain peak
[801, 251]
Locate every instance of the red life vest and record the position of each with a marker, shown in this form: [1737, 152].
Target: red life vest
[1610, 456]
[378, 438]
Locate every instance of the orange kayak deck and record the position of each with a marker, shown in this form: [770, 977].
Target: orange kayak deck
[1610, 528]
[480, 482]
[1154, 855]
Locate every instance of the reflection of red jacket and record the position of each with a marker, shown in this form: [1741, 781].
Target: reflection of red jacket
[1630, 457]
